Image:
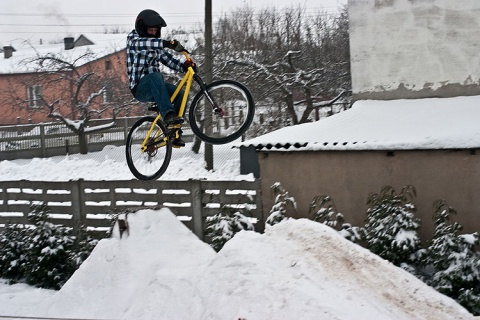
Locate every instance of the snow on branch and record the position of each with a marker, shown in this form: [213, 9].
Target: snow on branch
[100, 127]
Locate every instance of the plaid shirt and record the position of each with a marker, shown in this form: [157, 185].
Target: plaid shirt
[144, 55]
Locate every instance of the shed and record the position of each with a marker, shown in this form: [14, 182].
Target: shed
[429, 143]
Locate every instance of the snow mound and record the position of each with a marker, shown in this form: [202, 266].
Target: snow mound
[156, 260]
[298, 269]
[302, 269]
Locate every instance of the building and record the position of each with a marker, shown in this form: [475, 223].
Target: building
[24, 82]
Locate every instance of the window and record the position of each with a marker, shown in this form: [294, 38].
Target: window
[35, 96]
[108, 65]
[108, 94]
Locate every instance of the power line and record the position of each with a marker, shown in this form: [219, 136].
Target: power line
[130, 15]
[186, 20]
[308, 15]
[92, 15]
[44, 318]
[63, 25]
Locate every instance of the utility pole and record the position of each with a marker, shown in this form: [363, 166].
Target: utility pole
[208, 68]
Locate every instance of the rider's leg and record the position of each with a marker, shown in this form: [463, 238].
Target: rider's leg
[178, 99]
[152, 87]
[178, 142]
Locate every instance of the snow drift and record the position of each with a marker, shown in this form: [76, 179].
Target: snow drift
[298, 269]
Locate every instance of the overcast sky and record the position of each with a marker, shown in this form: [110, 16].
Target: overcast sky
[54, 19]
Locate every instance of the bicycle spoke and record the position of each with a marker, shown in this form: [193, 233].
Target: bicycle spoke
[231, 121]
[151, 162]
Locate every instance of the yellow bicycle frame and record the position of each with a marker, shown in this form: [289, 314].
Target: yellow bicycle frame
[187, 82]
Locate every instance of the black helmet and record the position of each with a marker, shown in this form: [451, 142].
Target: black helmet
[149, 19]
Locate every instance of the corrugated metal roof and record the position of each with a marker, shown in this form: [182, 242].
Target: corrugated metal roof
[410, 124]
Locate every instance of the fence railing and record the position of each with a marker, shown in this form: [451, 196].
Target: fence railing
[91, 203]
[26, 141]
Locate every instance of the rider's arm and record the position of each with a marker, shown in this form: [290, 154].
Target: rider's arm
[138, 44]
[170, 61]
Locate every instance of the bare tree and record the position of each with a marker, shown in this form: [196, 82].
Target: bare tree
[73, 93]
[287, 58]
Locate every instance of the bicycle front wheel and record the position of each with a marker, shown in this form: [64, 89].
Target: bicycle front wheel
[237, 114]
[153, 161]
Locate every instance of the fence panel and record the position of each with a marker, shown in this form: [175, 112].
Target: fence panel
[92, 203]
[26, 141]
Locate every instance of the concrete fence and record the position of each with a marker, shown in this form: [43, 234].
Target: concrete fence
[92, 204]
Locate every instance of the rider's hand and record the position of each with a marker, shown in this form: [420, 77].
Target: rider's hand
[173, 44]
[189, 63]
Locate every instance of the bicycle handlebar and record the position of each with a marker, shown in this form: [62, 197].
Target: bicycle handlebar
[185, 53]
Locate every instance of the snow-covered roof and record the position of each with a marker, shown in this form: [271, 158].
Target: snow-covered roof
[103, 45]
[407, 124]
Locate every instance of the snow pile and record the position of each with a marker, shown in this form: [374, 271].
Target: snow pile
[298, 269]
[151, 270]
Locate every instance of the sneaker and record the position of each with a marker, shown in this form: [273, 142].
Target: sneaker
[178, 143]
[172, 119]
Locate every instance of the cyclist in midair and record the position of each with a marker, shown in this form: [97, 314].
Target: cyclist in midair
[145, 52]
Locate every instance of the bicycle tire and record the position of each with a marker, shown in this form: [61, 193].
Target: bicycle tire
[237, 103]
[152, 163]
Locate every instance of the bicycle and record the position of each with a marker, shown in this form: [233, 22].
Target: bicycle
[219, 113]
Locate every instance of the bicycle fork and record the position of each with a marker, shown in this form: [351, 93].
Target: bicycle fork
[216, 109]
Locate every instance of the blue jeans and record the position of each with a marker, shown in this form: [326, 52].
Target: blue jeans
[152, 88]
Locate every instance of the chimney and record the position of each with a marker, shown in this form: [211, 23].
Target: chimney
[8, 51]
[69, 44]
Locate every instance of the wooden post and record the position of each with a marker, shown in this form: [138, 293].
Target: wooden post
[42, 140]
[78, 206]
[125, 129]
[197, 208]
[208, 76]
[260, 225]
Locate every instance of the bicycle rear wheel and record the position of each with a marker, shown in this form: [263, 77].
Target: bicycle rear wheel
[153, 162]
[238, 111]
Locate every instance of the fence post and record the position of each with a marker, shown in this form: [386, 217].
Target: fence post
[260, 225]
[196, 193]
[43, 140]
[125, 129]
[78, 206]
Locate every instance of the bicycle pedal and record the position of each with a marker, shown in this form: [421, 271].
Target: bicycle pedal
[174, 126]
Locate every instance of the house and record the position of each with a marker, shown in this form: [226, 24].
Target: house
[21, 88]
[416, 86]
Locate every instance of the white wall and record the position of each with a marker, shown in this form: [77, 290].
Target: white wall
[414, 48]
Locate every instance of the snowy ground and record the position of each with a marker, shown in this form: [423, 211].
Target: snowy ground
[297, 270]
[110, 164]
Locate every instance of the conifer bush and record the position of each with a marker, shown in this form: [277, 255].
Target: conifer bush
[48, 264]
[221, 227]
[43, 254]
[391, 226]
[454, 260]
[12, 252]
[282, 201]
[325, 211]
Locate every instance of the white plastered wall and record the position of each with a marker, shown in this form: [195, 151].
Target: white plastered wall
[414, 48]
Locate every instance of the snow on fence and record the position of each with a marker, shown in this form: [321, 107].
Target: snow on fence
[93, 203]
